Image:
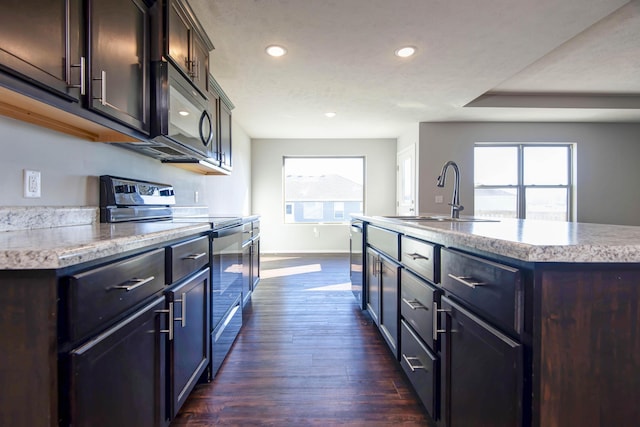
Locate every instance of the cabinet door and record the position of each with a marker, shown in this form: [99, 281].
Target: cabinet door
[120, 61]
[190, 344]
[481, 372]
[247, 287]
[225, 136]
[390, 273]
[373, 284]
[42, 41]
[199, 63]
[255, 263]
[179, 35]
[118, 378]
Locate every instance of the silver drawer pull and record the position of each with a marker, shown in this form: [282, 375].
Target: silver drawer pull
[416, 256]
[195, 256]
[468, 281]
[136, 283]
[413, 367]
[414, 304]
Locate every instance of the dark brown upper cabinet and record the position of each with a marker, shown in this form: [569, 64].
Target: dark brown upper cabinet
[119, 66]
[42, 41]
[223, 107]
[186, 43]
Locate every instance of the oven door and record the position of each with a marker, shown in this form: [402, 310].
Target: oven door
[226, 272]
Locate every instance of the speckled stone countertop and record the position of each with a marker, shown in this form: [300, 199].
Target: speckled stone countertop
[42, 237]
[65, 246]
[529, 240]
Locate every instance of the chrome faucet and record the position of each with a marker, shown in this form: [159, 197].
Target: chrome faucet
[456, 207]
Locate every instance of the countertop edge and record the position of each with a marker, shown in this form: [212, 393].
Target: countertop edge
[592, 252]
[55, 258]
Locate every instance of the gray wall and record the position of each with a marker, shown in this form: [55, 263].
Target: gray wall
[278, 237]
[607, 172]
[70, 168]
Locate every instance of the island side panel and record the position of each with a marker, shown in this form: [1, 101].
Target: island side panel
[588, 349]
[28, 362]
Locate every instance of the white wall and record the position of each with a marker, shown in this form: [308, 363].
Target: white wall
[70, 168]
[267, 160]
[607, 155]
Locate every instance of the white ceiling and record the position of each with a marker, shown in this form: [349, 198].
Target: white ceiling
[489, 60]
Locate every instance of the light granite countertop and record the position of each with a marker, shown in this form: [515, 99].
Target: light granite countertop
[529, 240]
[59, 247]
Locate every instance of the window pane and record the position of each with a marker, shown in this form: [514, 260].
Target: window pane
[495, 165]
[496, 202]
[322, 189]
[547, 203]
[546, 165]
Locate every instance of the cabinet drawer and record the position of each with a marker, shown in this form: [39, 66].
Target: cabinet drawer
[384, 240]
[422, 369]
[420, 257]
[98, 296]
[417, 299]
[188, 257]
[492, 290]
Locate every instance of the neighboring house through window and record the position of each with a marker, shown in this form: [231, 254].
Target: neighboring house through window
[323, 189]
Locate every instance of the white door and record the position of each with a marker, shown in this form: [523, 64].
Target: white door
[406, 191]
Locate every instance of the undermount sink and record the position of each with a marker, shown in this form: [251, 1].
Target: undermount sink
[420, 218]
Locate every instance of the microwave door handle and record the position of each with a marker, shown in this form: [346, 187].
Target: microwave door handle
[209, 136]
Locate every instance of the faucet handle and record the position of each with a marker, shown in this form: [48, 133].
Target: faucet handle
[456, 207]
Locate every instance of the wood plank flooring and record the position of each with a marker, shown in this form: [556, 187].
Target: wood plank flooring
[306, 356]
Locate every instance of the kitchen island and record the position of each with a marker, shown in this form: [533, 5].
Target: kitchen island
[510, 322]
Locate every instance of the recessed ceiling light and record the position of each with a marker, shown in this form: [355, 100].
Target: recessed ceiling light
[330, 114]
[275, 50]
[406, 51]
[183, 113]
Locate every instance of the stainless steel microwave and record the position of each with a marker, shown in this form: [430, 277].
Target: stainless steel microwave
[183, 115]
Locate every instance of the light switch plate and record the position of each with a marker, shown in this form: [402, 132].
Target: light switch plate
[32, 184]
[439, 199]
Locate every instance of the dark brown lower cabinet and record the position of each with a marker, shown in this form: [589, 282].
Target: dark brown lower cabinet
[422, 368]
[481, 372]
[118, 378]
[189, 345]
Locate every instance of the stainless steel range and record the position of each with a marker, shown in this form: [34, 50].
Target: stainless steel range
[124, 199]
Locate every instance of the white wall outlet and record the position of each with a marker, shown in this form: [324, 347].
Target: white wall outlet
[439, 199]
[32, 188]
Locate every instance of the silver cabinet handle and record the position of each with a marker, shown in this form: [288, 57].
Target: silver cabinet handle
[416, 256]
[435, 329]
[410, 360]
[414, 305]
[82, 84]
[183, 302]
[468, 281]
[195, 256]
[103, 88]
[170, 313]
[136, 283]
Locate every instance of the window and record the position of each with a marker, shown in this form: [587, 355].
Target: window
[323, 189]
[523, 181]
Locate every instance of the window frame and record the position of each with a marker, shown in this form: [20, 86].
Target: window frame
[521, 188]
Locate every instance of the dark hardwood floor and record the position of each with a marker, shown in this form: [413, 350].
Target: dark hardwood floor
[306, 356]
